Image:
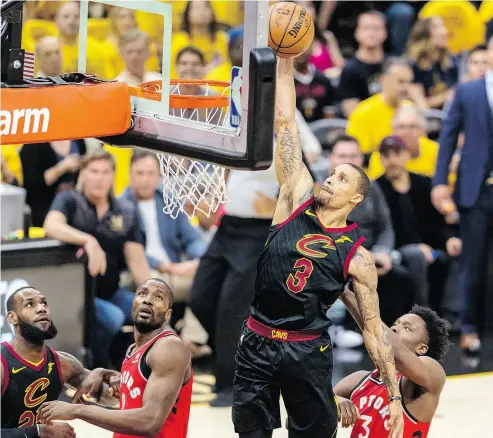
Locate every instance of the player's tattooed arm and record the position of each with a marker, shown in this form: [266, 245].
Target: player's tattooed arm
[294, 178]
[364, 277]
[91, 383]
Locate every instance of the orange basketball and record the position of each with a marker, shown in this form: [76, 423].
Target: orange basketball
[291, 29]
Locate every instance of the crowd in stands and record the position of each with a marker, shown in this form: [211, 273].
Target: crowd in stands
[383, 86]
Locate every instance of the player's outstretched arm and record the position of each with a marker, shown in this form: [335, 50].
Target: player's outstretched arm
[424, 371]
[169, 360]
[294, 179]
[364, 276]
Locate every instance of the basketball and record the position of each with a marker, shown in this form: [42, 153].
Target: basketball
[291, 29]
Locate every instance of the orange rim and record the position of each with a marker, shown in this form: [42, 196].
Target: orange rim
[152, 90]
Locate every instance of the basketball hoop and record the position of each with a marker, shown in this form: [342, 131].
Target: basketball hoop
[189, 185]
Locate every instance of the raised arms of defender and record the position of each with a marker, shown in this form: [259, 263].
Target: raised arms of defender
[364, 276]
[296, 183]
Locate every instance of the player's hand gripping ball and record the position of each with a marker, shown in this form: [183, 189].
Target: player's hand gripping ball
[291, 29]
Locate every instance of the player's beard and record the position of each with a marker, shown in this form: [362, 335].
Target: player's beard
[34, 334]
[147, 326]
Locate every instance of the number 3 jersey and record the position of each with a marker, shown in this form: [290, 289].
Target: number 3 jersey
[302, 271]
[25, 386]
[371, 398]
[134, 375]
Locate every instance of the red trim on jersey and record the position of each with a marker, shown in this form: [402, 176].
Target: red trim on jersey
[295, 213]
[58, 365]
[163, 334]
[345, 229]
[351, 254]
[280, 335]
[25, 362]
[5, 381]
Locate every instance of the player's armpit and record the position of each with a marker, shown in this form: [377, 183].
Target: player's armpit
[346, 385]
[292, 196]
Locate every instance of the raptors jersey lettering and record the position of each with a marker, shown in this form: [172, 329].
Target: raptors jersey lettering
[371, 398]
[26, 386]
[302, 271]
[134, 375]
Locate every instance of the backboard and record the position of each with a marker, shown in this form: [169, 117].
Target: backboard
[244, 138]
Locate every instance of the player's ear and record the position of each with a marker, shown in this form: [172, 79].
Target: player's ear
[168, 314]
[422, 349]
[12, 318]
[357, 199]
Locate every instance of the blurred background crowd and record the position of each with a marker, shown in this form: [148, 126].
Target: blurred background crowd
[401, 88]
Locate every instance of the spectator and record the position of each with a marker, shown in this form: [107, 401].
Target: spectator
[235, 52]
[67, 21]
[326, 55]
[420, 230]
[470, 112]
[134, 50]
[10, 167]
[477, 63]
[190, 64]
[49, 56]
[435, 71]
[401, 16]
[172, 246]
[200, 29]
[108, 229]
[395, 284]
[410, 125]
[49, 168]
[371, 121]
[360, 75]
[314, 93]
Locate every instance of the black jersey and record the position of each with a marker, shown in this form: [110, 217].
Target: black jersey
[26, 386]
[302, 271]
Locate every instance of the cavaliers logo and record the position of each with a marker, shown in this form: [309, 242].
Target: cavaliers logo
[34, 395]
[309, 243]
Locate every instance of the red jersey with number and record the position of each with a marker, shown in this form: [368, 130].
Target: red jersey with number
[371, 398]
[134, 375]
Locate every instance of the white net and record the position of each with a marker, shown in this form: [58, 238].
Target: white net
[190, 186]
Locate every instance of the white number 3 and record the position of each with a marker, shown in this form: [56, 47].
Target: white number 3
[366, 422]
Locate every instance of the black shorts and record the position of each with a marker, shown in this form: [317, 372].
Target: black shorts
[300, 371]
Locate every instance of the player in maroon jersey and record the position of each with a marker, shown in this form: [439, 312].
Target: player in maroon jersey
[156, 377]
[419, 340]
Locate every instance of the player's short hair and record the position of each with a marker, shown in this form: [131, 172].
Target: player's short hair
[194, 51]
[436, 327]
[364, 184]
[167, 290]
[11, 299]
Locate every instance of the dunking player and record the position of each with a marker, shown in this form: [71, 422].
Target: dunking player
[31, 372]
[156, 377]
[419, 340]
[311, 252]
